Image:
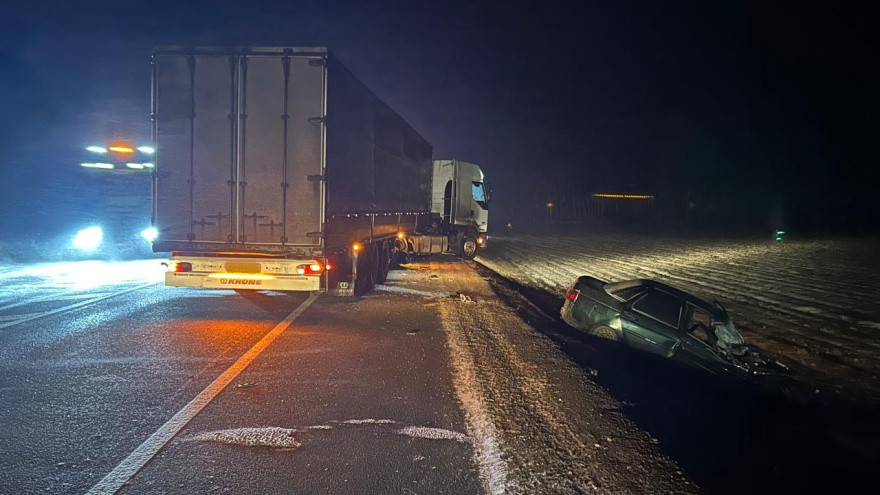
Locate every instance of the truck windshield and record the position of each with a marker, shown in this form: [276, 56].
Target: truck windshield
[479, 193]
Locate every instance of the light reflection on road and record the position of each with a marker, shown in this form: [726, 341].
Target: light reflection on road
[81, 275]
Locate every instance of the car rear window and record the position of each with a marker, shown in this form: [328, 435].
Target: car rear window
[629, 292]
[660, 305]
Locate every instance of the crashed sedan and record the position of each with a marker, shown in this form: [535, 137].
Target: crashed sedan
[653, 317]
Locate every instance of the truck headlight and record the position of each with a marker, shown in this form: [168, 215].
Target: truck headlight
[88, 239]
[150, 234]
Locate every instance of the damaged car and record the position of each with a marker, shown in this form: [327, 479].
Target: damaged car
[659, 319]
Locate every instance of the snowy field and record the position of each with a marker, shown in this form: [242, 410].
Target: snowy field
[816, 302]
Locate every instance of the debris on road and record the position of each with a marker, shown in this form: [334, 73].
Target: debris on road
[466, 298]
[245, 385]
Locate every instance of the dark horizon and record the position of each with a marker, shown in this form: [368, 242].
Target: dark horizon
[763, 109]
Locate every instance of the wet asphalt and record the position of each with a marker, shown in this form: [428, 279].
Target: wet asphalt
[81, 389]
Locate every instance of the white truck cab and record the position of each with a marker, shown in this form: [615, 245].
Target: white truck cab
[461, 197]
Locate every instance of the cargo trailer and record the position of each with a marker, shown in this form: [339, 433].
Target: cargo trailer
[276, 168]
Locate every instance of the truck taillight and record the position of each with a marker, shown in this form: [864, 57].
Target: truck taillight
[179, 266]
[310, 269]
[572, 294]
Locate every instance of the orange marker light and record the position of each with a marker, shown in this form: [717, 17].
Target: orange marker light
[401, 235]
[121, 149]
[356, 247]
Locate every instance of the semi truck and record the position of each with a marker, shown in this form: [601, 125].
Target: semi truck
[275, 168]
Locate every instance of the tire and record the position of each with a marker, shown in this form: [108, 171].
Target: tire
[384, 261]
[364, 281]
[375, 265]
[605, 332]
[467, 246]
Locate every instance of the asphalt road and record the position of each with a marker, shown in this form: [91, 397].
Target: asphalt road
[113, 383]
[348, 385]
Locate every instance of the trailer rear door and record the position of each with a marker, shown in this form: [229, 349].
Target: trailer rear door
[239, 147]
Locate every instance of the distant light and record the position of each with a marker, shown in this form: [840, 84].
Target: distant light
[147, 149]
[401, 235]
[97, 149]
[623, 196]
[121, 149]
[150, 234]
[88, 239]
[356, 247]
[134, 165]
[148, 165]
[549, 205]
[97, 165]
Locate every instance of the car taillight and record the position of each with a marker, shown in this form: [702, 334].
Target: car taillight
[572, 294]
[179, 266]
[310, 269]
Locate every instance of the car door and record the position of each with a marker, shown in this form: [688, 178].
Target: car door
[650, 322]
[697, 342]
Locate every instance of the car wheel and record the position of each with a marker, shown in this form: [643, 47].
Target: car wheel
[606, 332]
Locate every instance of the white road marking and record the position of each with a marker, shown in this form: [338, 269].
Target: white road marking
[369, 422]
[16, 317]
[265, 436]
[433, 433]
[126, 469]
[36, 316]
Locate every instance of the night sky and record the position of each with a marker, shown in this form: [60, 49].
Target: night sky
[756, 103]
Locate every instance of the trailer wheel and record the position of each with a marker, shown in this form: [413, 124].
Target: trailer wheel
[467, 247]
[376, 265]
[384, 261]
[364, 281]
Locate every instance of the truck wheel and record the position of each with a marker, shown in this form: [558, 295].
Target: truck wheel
[375, 265]
[467, 247]
[364, 281]
[384, 261]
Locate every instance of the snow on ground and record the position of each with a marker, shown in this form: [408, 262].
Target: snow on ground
[537, 422]
[815, 301]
